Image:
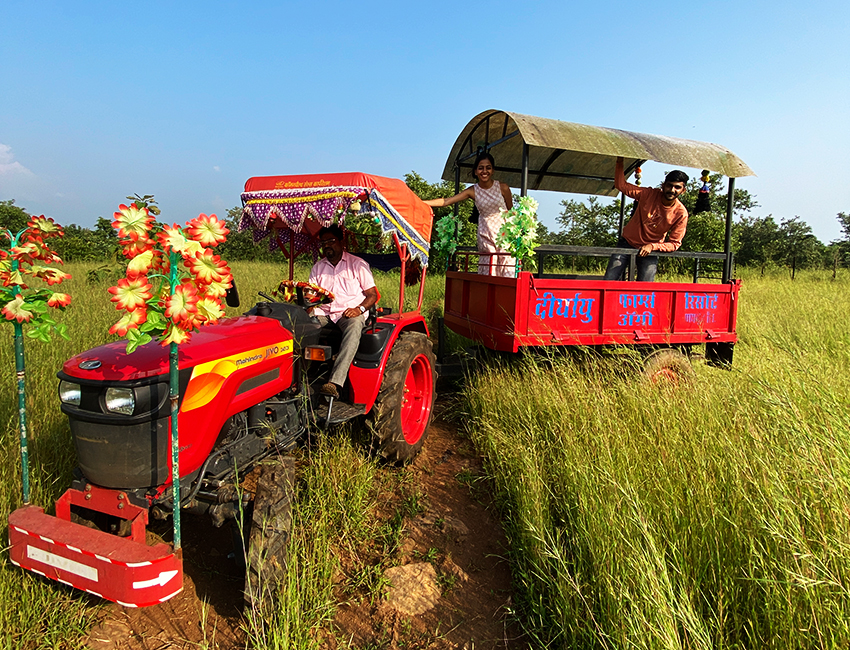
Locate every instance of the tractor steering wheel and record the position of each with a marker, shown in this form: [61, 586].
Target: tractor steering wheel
[304, 294]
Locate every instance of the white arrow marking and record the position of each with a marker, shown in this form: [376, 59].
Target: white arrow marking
[161, 580]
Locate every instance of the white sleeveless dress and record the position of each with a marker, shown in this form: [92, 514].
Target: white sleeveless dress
[489, 203]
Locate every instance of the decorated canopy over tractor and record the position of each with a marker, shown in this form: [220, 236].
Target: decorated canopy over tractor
[290, 210]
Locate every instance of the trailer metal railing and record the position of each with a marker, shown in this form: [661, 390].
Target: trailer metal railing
[463, 260]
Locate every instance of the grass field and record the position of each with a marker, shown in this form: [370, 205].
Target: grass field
[712, 516]
[716, 515]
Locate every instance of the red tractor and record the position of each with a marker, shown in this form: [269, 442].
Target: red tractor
[247, 393]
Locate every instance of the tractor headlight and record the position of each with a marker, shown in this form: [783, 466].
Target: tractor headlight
[120, 400]
[69, 393]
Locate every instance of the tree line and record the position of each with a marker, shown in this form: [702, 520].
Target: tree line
[761, 242]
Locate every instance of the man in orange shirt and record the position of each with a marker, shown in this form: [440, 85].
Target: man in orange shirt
[659, 213]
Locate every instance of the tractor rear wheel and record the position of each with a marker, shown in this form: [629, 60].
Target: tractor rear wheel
[402, 410]
[270, 527]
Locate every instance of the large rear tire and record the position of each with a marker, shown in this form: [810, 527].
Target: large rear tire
[668, 367]
[402, 410]
[268, 538]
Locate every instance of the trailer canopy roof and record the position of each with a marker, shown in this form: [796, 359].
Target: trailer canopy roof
[569, 157]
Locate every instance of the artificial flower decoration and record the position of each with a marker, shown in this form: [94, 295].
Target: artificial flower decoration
[132, 220]
[130, 294]
[209, 231]
[15, 310]
[175, 335]
[174, 282]
[207, 267]
[209, 310]
[519, 232]
[136, 246]
[59, 300]
[175, 240]
[23, 262]
[141, 263]
[446, 243]
[130, 320]
[312, 293]
[181, 305]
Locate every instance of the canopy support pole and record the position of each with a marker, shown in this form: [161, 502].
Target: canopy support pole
[291, 254]
[421, 288]
[455, 212]
[727, 246]
[622, 214]
[524, 189]
[457, 191]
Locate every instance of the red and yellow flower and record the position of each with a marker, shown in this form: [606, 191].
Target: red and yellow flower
[173, 239]
[182, 304]
[175, 335]
[45, 226]
[209, 231]
[59, 300]
[129, 321]
[130, 294]
[207, 267]
[132, 220]
[52, 276]
[16, 310]
[209, 310]
[142, 263]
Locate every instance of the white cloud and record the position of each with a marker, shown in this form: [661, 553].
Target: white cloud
[216, 168]
[9, 166]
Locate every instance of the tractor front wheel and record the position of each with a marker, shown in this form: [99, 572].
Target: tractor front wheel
[402, 410]
[268, 537]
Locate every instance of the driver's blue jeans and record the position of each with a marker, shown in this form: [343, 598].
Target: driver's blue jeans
[617, 265]
[351, 330]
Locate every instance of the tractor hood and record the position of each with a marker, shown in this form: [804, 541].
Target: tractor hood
[247, 336]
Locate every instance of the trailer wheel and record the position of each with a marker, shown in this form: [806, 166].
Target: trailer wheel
[268, 538]
[402, 410]
[668, 367]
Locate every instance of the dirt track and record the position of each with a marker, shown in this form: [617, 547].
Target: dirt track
[456, 533]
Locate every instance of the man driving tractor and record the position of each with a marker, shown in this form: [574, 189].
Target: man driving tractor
[350, 280]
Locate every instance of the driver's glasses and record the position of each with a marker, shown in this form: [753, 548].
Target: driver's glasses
[330, 241]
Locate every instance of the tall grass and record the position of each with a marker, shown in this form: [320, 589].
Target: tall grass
[335, 495]
[37, 613]
[714, 516]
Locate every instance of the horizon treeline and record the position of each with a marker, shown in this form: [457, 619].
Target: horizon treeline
[757, 241]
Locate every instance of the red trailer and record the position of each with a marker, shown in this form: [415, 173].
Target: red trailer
[555, 309]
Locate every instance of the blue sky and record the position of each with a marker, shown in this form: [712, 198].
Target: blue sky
[187, 100]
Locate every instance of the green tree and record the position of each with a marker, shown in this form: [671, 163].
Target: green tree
[83, 245]
[591, 224]
[241, 246]
[467, 231]
[742, 202]
[759, 241]
[843, 245]
[12, 217]
[800, 248]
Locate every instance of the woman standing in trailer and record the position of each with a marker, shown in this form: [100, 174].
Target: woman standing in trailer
[491, 197]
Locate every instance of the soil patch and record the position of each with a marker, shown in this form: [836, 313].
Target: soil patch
[450, 586]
